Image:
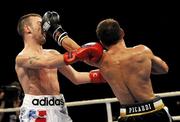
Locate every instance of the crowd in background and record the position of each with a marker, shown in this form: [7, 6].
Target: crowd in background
[10, 97]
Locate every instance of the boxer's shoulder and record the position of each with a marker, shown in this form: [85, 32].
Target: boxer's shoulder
[51, 51]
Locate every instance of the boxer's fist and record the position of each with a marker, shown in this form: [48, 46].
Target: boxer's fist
[50, 24]
[96, 76]
[91, 52]
[95, 51]
[50, 20]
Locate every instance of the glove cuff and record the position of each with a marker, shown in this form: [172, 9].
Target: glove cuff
[59, 34]
[61, 38]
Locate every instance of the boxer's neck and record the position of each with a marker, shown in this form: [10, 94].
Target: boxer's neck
[33, 46]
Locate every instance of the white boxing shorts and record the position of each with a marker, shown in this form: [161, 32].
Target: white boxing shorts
[44, 108]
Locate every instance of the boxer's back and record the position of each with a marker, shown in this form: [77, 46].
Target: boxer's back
[128, 73]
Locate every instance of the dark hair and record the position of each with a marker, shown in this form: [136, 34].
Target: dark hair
[109, 32]
[24, 20]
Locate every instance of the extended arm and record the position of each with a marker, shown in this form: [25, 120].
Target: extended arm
[40, 61]
[74, 76]
[77, 78]
[69, 44]
[50, 24]
[92, 52]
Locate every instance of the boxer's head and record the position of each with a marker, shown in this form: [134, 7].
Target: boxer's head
[25, 20]
[30, 24]
[109, 32]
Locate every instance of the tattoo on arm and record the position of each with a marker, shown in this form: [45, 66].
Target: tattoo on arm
[31, 59]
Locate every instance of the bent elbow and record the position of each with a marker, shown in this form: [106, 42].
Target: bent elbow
[161, 68]
[166, 69]
[160, 71]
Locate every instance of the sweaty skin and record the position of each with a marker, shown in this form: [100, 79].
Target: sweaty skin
[37, 68]
[127, 70]
[36, 80]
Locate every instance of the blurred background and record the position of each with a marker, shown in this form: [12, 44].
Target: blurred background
[150, 23]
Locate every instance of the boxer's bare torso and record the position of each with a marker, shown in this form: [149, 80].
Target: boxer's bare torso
[37, 80]
[127, 71]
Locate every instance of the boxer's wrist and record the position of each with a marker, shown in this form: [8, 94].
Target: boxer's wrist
[59, 37]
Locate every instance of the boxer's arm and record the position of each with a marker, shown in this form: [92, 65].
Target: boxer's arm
[69, 44]
[77, 78]
[159, 66]
[74, 76]
[51, 25]
[38, 61]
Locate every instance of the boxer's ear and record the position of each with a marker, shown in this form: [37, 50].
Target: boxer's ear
[27, 29]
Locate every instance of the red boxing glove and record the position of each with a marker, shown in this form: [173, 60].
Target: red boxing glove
[89, 51]
[96, 76]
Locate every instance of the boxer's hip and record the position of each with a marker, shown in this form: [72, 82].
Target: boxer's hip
[44, 108]
[142, 108]
[43, 101]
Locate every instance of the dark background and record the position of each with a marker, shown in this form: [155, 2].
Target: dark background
[150, 23]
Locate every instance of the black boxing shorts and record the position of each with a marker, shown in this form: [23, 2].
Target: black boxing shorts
[151, 111]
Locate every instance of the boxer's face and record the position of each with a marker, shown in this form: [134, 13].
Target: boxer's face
[37, 31]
